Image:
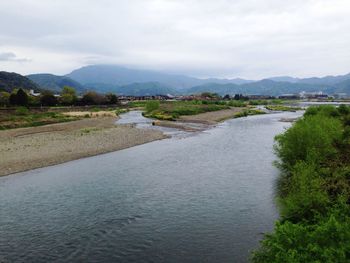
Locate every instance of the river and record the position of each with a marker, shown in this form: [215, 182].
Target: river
[207, 197]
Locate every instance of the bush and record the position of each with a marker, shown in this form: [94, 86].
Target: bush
[304, 196]
[310, 139]
[313, 191]
[326, 241]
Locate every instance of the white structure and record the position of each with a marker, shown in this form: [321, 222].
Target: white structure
[33, 93]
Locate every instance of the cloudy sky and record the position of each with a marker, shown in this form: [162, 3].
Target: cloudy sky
[204, 38]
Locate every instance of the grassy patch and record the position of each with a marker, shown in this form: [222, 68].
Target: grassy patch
[20, 119]
[248, 112]
[175, 109]
[282, 108]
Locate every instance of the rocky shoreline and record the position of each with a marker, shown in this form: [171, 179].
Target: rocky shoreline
[29, 148]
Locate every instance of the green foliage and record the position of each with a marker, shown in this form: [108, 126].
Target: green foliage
[313, 191]
[237, 103]
[311, 139]
[4, 98]
[282, 108]
[305, 196]
[25, 118]
[48, 99]
[22, 111]
[248, 112]
[152, 105]
[93, 98]
[326, 241]
[111, 98]
[174, 109]
[19, 98]
[68, 96]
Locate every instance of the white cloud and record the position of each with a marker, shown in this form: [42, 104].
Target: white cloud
[246, 38]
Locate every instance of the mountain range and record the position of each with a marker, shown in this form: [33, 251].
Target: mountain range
[137, 82]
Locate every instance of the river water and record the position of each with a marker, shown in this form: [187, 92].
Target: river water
[201, 198]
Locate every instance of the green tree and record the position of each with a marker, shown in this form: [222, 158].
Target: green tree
[68, 95]
[4, 98]
[48, 99]
[111, 98]
[21, 98]
[93, 98]
[13, 99]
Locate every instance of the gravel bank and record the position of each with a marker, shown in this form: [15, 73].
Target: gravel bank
[28, 148]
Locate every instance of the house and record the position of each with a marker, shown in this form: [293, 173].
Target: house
[33, 93]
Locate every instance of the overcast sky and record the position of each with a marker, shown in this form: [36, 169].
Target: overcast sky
[203, 38]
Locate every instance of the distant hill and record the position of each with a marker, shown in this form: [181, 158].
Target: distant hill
[113, 78]
[10, 81]
[341, 87]
[262, 87]
[55, 83]
[328, 80]
[117, 75]
[134, 89]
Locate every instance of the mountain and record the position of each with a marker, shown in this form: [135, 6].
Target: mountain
[55, 83]
[134, 89]
[285, 79]
[328, 80]
[117, 75]
[10, 81]
[342, 87]
[262, 87]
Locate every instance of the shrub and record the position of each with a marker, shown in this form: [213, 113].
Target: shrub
[310, 139]
[326, 241]
[313, 191]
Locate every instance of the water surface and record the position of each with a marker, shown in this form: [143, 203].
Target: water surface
[203, 198]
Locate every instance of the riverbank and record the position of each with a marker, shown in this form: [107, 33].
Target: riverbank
[313, 190]
[203, 121]
[34, 147]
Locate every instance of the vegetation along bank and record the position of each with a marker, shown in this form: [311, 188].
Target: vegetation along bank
[313, 190]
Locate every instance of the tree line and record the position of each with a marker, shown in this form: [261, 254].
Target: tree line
[67, 97]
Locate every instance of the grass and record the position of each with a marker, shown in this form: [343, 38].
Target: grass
[248, 112]
[25, 118]
[282, 108]
[175, 109]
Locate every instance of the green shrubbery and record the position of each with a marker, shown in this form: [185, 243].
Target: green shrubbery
[313, 190]
[175, 109]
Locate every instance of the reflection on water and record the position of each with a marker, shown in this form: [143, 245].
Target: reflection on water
[203, 198]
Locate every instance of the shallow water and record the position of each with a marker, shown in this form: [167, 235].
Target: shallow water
[203, 198]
